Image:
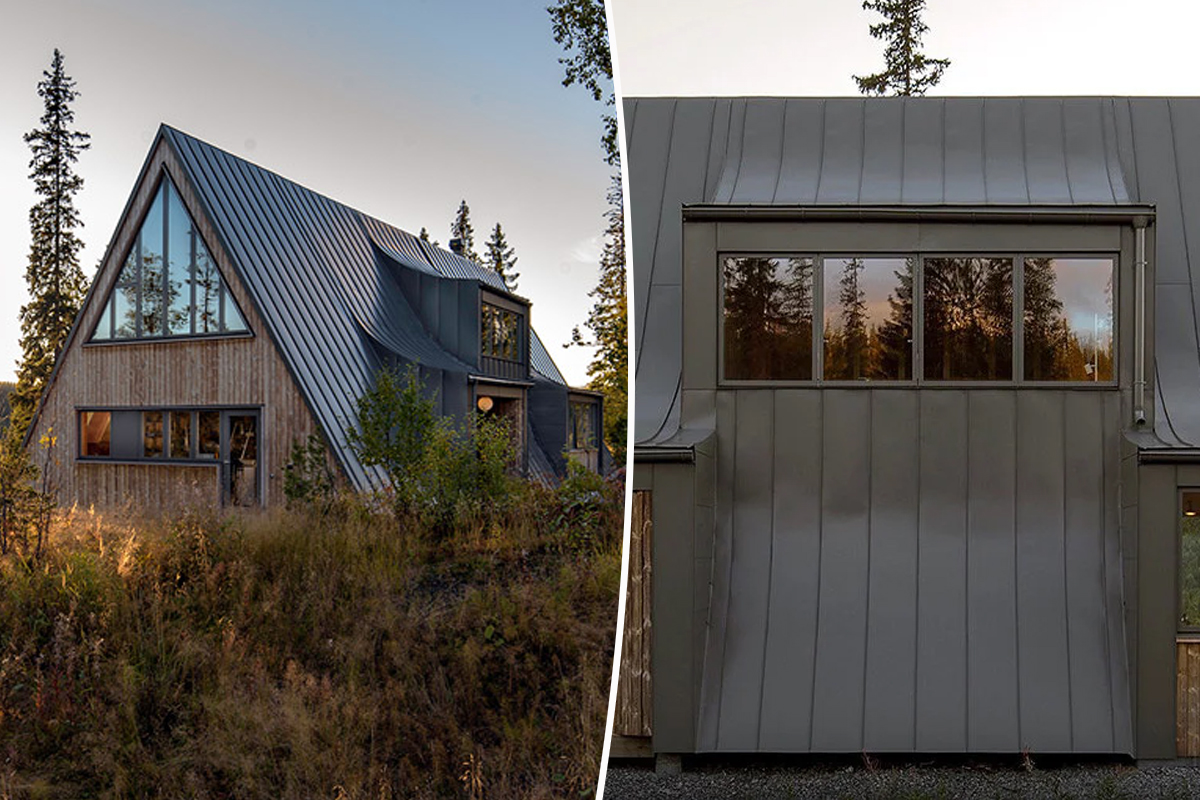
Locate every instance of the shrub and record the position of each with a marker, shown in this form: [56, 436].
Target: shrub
[308, 481]
[438, 473]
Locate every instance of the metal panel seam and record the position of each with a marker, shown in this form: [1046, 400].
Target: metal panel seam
[1067, 581]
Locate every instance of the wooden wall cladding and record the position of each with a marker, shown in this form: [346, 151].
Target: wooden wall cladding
[635, 700]
[244, 371]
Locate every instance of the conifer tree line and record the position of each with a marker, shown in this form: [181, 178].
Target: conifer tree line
[581, 28]
[56, 282]
[499, 256]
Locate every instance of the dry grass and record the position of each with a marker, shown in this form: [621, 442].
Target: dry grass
[283, 655]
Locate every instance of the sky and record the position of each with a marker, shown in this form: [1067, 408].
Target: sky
[997, 47]
[398, 109]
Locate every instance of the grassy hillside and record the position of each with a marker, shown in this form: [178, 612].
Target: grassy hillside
[290, 655]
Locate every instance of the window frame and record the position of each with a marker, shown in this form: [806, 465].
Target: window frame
[918, 323]
[107, 306]
[193, 459]
[1180, 628]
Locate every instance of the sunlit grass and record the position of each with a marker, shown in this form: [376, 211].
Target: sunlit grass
[290, 655]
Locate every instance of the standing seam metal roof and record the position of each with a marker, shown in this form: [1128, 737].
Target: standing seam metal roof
[913, 151]
[308, 263]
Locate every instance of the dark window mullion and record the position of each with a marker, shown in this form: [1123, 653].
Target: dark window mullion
[192, 272]
[1018, 283]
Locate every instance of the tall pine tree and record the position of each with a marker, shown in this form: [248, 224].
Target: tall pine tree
[502, 258]
[461, 229]
[608, 322]
[581, 28]
[907, 71]
[56, 282]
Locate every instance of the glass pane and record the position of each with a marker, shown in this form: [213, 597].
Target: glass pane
[179, 267]
[152, 268]
[768, 318]
[581, 426]
[208, 291]
[95, 433]
[104, 326]
[233, 318]
[152, 434]
[125, 296]
[1189, 561]
[485, 330]
[208, 439]
[968, 319]
[181, 434]
[243, 460]
[868, 319]
[1068, 319]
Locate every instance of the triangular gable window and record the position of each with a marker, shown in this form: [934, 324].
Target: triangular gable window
[169, 284]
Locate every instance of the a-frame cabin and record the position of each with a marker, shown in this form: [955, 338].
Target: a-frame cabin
[236, 312]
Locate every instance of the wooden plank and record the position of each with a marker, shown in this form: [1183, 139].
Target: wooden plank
[189, 374]
[1187, 697]
[631, 747]
[634, 713]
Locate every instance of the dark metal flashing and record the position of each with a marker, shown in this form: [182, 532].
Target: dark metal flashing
[1052, 214]
[1173, 456]
[664, 455]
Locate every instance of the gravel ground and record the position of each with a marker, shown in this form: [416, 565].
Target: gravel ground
[907, 781]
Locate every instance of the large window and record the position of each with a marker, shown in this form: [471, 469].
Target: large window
[151, 434]
[1189, 560]
[169, 284]
[500, 333]
[934, 319]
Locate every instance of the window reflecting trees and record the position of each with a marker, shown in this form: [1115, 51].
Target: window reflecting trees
[968, 319]
[869, 314]
[768, 318]
[169, 284]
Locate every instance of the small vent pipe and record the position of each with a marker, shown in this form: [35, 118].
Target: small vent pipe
[1139, 321]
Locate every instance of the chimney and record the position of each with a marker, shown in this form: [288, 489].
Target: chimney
[456, 246]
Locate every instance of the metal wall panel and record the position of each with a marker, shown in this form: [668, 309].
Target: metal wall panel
[883, 153]
[758, 174]
[1041, 582]
[923, 153]
[794, 575]
[841, 155]
[889, 718]
[749, 589]
[942, 573]
[992, 686]
[964, 151]
[842, 611]
[1045, 151]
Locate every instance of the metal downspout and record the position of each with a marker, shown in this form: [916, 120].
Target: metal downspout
[1139, 344]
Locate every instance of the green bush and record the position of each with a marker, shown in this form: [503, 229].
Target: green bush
[437, 473]
[308, 480]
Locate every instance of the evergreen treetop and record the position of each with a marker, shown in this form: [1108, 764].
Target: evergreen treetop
[424, 237]
[462, 229]
[502, 259]
[56, 282]
[907, 71]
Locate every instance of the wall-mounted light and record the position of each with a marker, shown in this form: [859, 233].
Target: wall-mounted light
[1188, 509]
[484, 403]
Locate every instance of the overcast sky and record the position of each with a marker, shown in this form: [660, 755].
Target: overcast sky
[399, 109]
[998, 47]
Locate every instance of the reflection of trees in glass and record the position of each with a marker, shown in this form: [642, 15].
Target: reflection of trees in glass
[126, 299]
[968, 318]
[1189, 571]
[895, 334]
[768, 318]
[1054, 350]
[152, 292]
[857, 345]
[208, 289]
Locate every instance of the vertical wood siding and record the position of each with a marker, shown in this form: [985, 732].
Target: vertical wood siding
[242, 371]
[634, 716]
[1187, 698]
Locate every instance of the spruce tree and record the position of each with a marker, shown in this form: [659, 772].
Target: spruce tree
[581, 28]
[461, 229]
[424, 237]
[608, 322]
[56, 282]
[502, 258]
[907, 71]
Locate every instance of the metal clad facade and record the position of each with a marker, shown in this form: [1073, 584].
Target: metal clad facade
[899, 569]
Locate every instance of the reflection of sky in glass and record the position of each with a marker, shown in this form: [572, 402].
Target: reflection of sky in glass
[877, 280]
[1082, 284]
